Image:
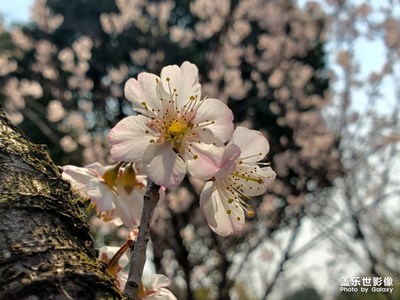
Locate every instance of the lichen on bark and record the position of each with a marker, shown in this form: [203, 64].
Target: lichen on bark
[46, 251]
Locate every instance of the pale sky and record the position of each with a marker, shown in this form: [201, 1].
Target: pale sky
[15, 10]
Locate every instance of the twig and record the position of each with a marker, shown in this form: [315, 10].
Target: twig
[181, 252]
[324, 234]
[138, 255]
[112, 265]
[252, 247]
[286, 256]
[41, 125]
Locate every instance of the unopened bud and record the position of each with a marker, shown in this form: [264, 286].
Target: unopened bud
[110, 176]
[128, 179]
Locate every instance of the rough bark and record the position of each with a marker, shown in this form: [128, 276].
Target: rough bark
[46, 251]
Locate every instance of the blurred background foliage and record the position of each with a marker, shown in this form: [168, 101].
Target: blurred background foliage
[62, 78]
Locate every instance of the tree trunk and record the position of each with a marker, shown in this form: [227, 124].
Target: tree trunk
[46, 251]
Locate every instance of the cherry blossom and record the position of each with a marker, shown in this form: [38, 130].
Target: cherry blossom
[223, 200]
[176, 130]
[94, 180]
[111, 188]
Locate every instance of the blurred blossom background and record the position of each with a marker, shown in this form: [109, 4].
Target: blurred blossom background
[319, 78]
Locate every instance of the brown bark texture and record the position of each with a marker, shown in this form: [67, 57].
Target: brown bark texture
[46, 251]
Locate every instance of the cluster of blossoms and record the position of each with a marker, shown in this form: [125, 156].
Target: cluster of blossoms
[173, 133]
[176, 132]
[117, 193]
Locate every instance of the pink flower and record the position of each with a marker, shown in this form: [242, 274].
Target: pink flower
[176, 129]
[223, 201]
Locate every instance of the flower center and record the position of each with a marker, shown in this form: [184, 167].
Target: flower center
[175, 131]
[176, 128]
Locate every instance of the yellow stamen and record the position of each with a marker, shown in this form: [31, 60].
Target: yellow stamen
[245, 177]
[175, 131]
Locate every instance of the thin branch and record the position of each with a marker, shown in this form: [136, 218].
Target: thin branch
[41, 125]
[182, 254]
[251, 247]
[359, 231]
[286, 257]
[339, 223]
[384, 183]
[138, 255]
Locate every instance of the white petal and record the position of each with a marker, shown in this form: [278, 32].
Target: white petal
[184, 81]
[216, 111]
[163, 165]
[204, 160]
[149, 84]
[78, 176]
[168, 294]
[122, 278]
[162, 294]
[214, 205]
[268, 175]
[256, 183]
[189, 85]
[129, 139]
[129, 207]
[97, 167]
[170, 78]
[253, 145]
[205, 135]
[206, 203]
[134, 93]
[107, 251]
[159, 281]
[110, 251]
[235, 212]
[231, 153]
[143, 90]
[101, 195]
